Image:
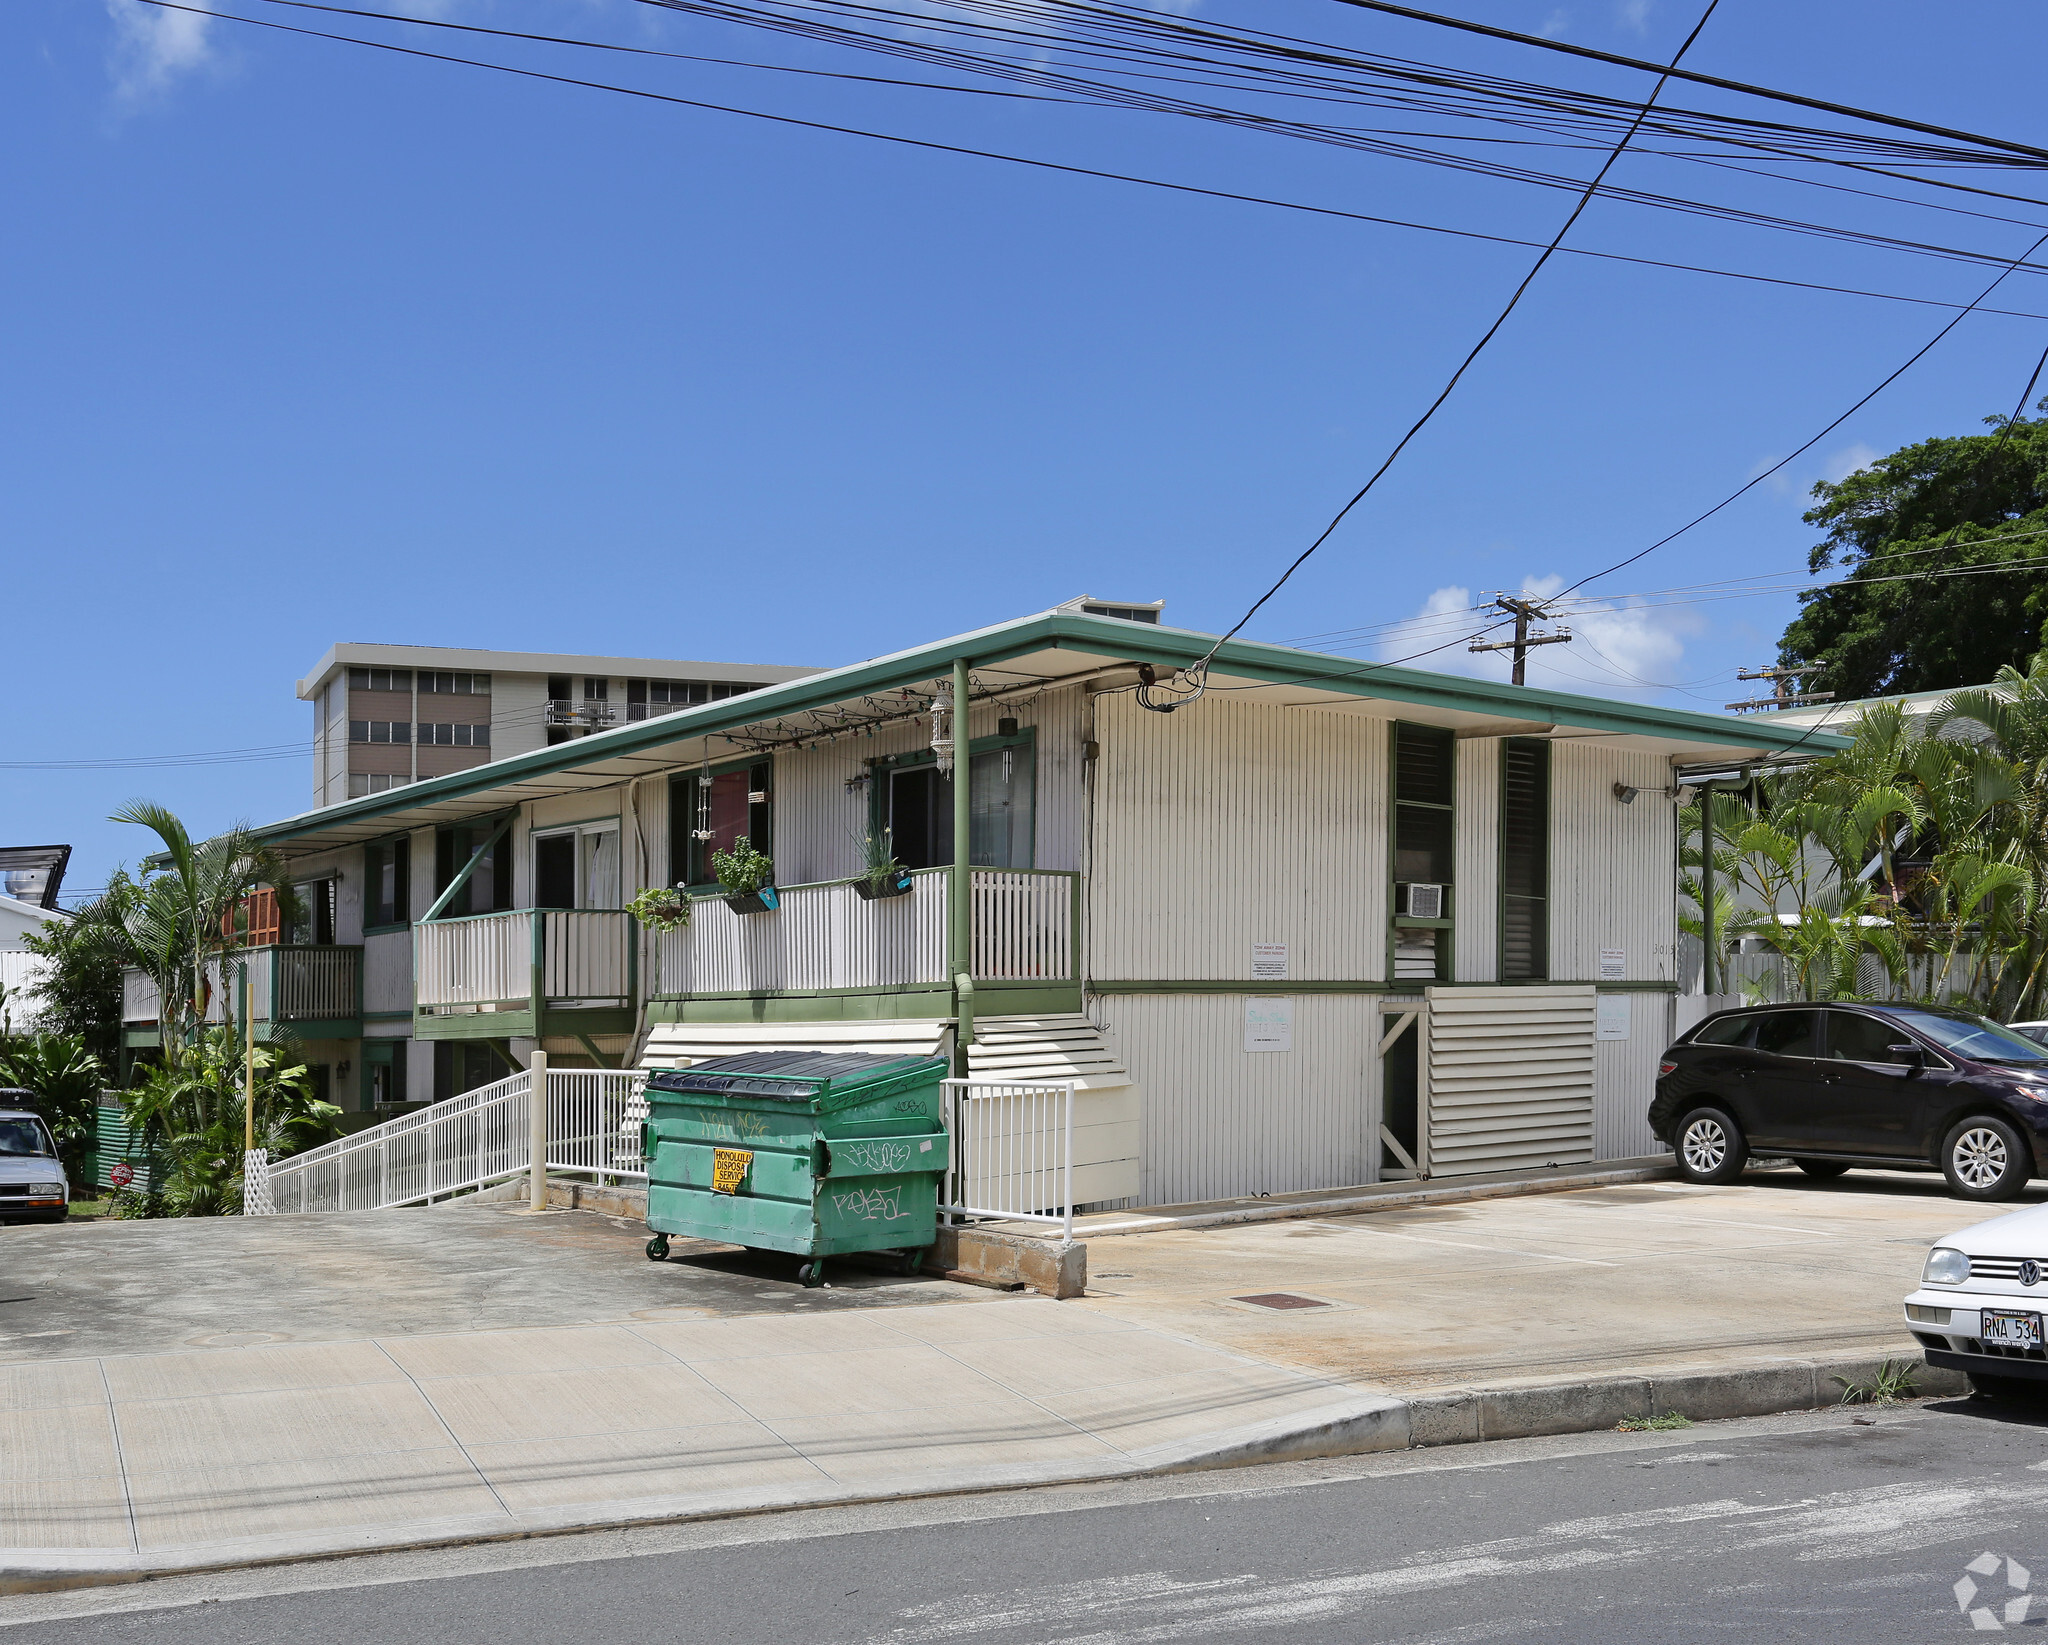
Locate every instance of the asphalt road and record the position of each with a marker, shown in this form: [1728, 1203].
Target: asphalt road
[1806, 1527]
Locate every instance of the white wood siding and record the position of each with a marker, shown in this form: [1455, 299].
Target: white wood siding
[1612, 881]
[1475, 865]
[1220, 1121]
[1510, 1078]
[1237, 824]
[387, 972]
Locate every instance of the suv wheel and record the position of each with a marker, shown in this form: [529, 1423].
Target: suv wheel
[1710, 1146]
[1985, 1159]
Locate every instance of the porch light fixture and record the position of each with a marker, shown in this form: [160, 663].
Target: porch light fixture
[942, 728]
[1625, 794]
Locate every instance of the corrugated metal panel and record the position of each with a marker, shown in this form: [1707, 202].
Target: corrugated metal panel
[1625, 1078]
[819, 821]
[1220, 1121]
[1243, 823]
[1612, 866]
[1475, 862]
[1511, 1078]
[387, 972]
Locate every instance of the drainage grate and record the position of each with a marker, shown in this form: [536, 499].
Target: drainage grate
[1280, 1299]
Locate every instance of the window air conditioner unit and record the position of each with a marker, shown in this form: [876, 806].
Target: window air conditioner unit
[1419, 902]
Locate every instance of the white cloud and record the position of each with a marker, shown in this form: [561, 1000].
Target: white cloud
[1618, 649]
[1838, 466]
[1634, 14]
[154, 46]
[1554, 25]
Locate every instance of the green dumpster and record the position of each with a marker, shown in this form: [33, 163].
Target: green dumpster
[816, 1153]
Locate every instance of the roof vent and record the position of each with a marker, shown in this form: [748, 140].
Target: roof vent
[1130, 611]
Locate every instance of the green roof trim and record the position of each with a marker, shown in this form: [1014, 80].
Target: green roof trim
[1104, 637]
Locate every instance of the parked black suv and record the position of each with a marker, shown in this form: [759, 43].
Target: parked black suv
[1904, 1087]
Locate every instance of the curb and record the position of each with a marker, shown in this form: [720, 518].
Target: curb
[1362, 1425]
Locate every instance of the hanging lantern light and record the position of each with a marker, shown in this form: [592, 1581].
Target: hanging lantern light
[942, 728]
[703, 829]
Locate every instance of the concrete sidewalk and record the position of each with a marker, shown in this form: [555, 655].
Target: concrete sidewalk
[603, 1388]
[127, 1465]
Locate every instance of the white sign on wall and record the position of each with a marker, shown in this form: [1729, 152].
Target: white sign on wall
[1268, 1024]
[1610, 1017]
[1269, 962]
[1613, 964]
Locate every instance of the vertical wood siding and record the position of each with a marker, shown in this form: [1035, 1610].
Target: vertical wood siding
[1243, 823]
[1475, 893]
[1219, 1121]
[1611, 865]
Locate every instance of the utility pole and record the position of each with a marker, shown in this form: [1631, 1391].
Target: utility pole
[1524, 612]
[1781, 678]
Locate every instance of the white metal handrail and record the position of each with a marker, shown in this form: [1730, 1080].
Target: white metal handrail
[480, 1137]
[1012, 1152]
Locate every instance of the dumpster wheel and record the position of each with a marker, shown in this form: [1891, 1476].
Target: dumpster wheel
[812, 1273]
[657, 1248]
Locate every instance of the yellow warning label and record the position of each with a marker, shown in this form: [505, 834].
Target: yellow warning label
[729, 1169]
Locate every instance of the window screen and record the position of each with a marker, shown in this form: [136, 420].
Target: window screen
[386, 869]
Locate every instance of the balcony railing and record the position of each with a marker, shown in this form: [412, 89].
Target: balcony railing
[581, 956]
[826, 937]
[289, 982]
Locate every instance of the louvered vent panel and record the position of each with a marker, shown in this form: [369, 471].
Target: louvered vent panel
[1510, 1078]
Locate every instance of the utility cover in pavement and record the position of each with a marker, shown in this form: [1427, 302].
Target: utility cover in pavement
[1281, 1299]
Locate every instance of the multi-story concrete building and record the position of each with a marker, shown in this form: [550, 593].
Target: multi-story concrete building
[388, 715]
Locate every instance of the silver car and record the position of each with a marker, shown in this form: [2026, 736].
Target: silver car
[33, 1186]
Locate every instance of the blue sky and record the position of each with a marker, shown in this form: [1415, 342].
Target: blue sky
[310, 342]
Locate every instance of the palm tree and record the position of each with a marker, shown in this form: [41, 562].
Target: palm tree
[185, 917]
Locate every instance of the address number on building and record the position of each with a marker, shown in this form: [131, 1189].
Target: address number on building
[729, 1169]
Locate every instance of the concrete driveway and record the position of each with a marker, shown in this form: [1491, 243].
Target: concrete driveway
[112, 1287]
[1591, 1283]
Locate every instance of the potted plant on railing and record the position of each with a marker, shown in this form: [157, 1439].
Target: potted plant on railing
[746, 877]
[883, 876]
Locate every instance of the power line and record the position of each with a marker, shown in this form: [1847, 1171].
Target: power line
[1097, 173]
[1672, 72]
[1197, 672]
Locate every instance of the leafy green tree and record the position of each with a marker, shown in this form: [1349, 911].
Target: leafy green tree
[191, 1111]
[66, 1079]
[80, 991]
[1888, 628]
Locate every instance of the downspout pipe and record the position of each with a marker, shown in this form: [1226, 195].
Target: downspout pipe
[959, 879]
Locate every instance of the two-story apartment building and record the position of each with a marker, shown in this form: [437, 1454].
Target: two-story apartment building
[1330, 922]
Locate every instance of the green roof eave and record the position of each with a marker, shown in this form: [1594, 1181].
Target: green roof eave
[1101, 637]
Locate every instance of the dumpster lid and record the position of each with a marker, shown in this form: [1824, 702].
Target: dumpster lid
[790, 1076]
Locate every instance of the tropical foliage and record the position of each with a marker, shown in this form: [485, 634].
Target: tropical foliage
[191, 1113]
[743, 869]
[1912, 864]
[66, 1079]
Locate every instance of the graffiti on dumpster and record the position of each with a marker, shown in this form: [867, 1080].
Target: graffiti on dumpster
[740, 1126]
[877, 1157]
[870, 1204]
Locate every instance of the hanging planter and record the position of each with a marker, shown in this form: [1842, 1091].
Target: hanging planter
[880, 888]
[745, 876]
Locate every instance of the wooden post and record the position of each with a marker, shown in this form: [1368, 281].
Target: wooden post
[537, 1131]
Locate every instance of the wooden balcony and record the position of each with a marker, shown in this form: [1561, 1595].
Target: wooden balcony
[300, 991]
[530, 973]
[826, 950]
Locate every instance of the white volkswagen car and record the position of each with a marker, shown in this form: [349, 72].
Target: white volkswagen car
[33, 1187]
[1982, 1298]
